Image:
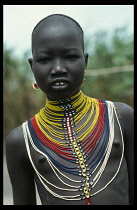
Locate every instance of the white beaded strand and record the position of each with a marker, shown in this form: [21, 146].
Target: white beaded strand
[40, 176]
[27, 137]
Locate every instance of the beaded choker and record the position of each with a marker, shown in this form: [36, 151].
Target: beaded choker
[76, 136]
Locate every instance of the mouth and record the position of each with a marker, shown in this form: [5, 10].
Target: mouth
[60, 84]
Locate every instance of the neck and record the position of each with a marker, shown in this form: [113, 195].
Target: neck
[72, 102]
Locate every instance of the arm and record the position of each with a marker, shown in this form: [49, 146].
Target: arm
[20, 169]
[127, 124]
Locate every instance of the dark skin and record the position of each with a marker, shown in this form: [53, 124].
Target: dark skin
[60, 56]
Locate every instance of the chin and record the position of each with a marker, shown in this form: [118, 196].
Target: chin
[62, 95]
[59, 96]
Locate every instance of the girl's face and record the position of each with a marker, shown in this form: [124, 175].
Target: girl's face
[58, 61]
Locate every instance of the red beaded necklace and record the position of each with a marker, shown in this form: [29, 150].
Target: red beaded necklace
[78, 143]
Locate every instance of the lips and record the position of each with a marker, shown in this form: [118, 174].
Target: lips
[60, 84]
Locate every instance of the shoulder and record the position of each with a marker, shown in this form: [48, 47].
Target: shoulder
[126, 116]
[15, 136]
[125, 111]
[124, 108]
[15, 145]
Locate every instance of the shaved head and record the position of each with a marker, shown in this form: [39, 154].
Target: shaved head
[57, 21]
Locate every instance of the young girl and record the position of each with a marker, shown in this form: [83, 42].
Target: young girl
[78, 150]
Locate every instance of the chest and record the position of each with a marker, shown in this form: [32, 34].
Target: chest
[77, 151]
[82, 165]
[72, 155]
[80, 140]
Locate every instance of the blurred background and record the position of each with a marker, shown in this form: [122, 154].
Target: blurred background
[109, 40]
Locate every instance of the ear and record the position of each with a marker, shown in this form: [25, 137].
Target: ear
[30, 60]
[86, 59]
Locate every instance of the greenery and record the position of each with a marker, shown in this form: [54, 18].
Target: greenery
[110, 51]
[21, 102]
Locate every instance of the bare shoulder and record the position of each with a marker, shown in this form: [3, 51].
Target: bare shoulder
[15, 136]
[125, 111]
[15, 145]
[125, 115]
[123, 108]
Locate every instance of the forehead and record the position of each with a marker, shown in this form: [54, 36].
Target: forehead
[49, 35]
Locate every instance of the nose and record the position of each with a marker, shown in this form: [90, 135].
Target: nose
[58, 68]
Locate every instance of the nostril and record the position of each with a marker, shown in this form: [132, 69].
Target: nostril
[58, 72]
[56, 75]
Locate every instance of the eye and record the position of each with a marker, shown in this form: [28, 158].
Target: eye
[71, 57]
[44, 60]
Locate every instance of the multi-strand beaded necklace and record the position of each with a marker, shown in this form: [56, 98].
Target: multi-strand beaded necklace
[79, 131]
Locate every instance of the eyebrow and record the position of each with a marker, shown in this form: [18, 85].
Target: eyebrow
[72, 48]
[43, 51]
[65, 50]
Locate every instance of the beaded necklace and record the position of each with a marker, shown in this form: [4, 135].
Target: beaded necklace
[85, 127]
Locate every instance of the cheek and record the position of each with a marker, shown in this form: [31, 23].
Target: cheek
[78, 80]
[77, 77]
[40, 73]
[78, 72]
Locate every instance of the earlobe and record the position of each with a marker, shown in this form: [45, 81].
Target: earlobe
[86, 59]
[30, 60]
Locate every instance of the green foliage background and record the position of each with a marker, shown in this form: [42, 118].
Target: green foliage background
[21, 101]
